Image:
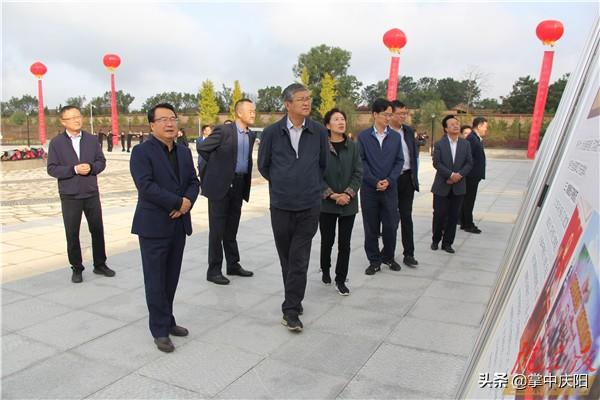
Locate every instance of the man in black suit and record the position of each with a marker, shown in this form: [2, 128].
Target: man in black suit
[408, 181]
[292, 156]
[225, 178]
[453, 161]
[475, 138]
[75, 158]
[165, 177]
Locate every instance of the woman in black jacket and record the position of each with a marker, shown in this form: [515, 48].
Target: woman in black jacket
[341, 182]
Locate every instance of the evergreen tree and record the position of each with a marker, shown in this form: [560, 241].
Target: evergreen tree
[209, 108]
[235, 96]
[327, 94]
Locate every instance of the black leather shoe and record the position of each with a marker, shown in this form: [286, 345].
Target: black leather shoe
[371, 269]
[164, 344]
[325, 277]
[434, 246]
[218, 279]
[448, 249]
[240, 271]
[410, 261]
[178, 331]
[77, 276]
[104, 270]
[394, 266]
[473, 229]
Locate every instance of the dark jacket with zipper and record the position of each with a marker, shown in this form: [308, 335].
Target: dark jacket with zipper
[342, 175]
[294, 179]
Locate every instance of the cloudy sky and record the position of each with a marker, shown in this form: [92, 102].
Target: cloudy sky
[174, 46]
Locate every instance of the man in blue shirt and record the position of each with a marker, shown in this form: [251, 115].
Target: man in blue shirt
[382, 159]
[225, 180]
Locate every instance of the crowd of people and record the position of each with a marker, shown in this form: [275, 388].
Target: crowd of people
[315, 172]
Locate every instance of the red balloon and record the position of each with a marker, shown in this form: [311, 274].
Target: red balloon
[38, 69]
[394, 39]
[549, 31]
[111, 61]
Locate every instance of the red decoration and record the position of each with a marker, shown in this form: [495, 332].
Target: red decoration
[549, 31]
[394, 39]
[111, 62]
[38, 69]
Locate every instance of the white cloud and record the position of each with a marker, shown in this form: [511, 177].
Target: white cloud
[175, 46]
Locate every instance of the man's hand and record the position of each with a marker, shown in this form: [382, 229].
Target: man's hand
[175, 214]
[186, 205]
[455, 177]
[83, 169]
[343, 199]
[382, 185]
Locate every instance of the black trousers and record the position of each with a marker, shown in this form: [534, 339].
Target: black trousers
[406, 195]
[161, 263]
[327, 228]
[72, 210]
[293, 232]
[379, 209]
[223, 222]
[129, 137]
[122, 142]
[466, 214]
[445, 217]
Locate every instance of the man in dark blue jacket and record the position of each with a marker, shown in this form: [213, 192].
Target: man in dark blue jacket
[475, 138]
[164, 175]
[75, 158]
[292, 156]
[382, 159]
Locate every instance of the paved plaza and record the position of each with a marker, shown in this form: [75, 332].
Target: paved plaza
[404, 334]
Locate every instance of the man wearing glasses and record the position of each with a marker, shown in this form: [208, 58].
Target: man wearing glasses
[292, 156]
[382, 158]
[165, 177]
[75, 158]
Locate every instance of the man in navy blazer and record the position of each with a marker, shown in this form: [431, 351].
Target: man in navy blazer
[475, 138]
[75, 158]
[382, 158]
[453, 161]
[165, 177]
[225, 181]
[408, 182]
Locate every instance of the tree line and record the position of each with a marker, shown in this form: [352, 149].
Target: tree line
[324, 70]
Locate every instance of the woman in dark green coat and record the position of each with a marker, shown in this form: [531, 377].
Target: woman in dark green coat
[341, 182]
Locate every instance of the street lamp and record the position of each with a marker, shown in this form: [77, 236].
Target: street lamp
[28, 138]
[432, 123]
[92, 118]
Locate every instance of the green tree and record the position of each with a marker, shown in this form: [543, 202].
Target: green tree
[102, 104]
[327, 94]
[224, 99]
[77, 101]
[304, 77]
[332, 60]
[18, 118]
[26, 103]
[488, 104]
[207, 105]
[372, 92]
[451, 91]
[235, 96]
[423, 117]
[555, 92]
[269, 99]
[521, 99]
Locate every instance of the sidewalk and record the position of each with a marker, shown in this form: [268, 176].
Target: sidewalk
[399, 334]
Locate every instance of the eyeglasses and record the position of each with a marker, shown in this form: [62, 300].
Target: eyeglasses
[164, 120]
[72, 118]
[304, 100]
[402, 114]
[386, 115]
